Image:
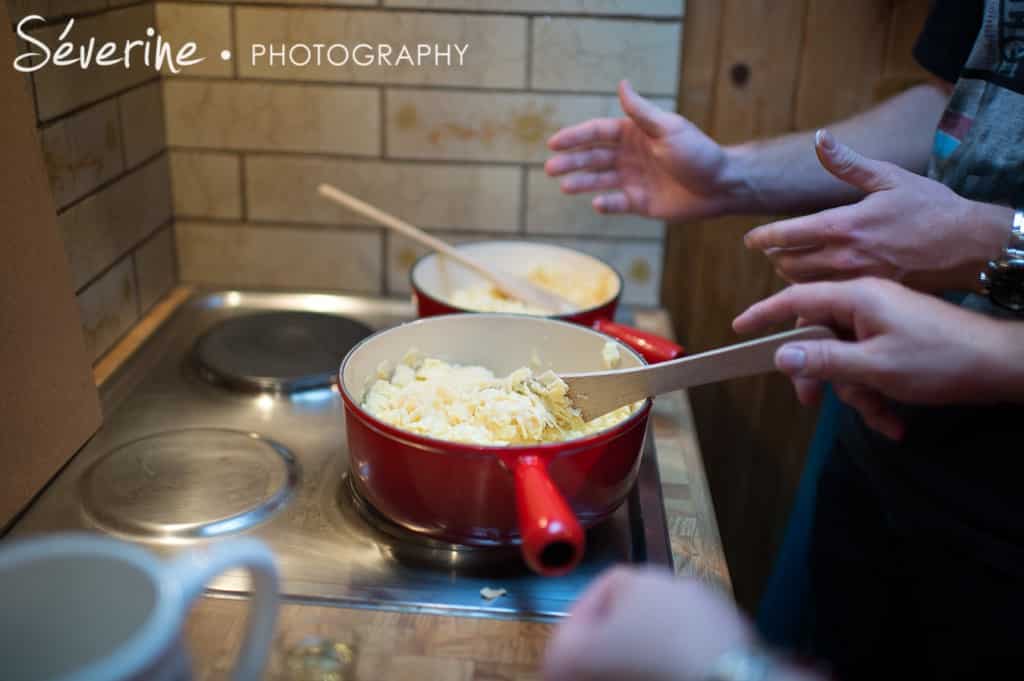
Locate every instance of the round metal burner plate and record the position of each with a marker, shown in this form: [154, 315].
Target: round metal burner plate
[278, 351]
[189, 484]
[411, 548]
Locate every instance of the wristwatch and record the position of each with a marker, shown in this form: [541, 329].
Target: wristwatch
[1003, 279]
[746, 663]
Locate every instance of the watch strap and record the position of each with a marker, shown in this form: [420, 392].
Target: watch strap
[1003, 279]
[1016, 242]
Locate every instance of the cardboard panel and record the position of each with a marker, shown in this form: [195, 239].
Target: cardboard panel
[48, 401]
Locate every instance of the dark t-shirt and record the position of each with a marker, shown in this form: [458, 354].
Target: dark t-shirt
[959, 474]
[948, 36]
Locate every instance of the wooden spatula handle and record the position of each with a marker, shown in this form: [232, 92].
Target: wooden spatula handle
[403, 227]
[600, 392]
[733, 361]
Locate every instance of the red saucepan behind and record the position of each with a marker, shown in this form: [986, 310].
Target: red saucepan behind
[435, 281]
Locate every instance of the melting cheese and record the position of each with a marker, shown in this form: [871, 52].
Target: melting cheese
[584, 291]
[431, 397]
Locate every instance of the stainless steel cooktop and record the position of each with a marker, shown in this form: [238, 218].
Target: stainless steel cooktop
[239, 432]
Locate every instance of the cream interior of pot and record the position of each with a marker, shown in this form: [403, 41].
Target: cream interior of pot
[439, 277]
[502, 343]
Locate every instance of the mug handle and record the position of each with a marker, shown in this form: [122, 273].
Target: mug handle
[194, 568]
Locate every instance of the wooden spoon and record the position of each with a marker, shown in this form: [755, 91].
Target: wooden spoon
[597, 393]
[511, 285]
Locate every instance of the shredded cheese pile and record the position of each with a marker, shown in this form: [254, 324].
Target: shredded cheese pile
[470, 404]
[584, 291]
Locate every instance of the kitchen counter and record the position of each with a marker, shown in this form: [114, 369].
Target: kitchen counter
[394, 646]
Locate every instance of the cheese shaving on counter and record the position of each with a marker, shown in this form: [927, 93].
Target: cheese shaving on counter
[583, 291]
[470, 404]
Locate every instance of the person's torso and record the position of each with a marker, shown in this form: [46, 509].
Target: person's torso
[979, 143]
[957, 472]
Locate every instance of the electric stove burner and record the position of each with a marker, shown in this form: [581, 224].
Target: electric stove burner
[200, 482]
[414, 549]
[281, 352]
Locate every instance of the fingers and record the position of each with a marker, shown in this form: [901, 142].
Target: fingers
[579, 183]
[850, 167]
[595, 131]
[613, 203]
[828, 303]
[566, 654]
[825, 360]
[818, 264]
[810, 231]
[652, 120]
[591, 159]
[598, 599]
[808, 390]
[873, 408]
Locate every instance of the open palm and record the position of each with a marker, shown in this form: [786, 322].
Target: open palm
[650, 162]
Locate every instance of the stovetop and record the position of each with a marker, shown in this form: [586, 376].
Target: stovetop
[188, 455]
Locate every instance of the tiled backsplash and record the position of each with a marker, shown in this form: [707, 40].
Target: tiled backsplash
[456, 150]
[234, 151]
[102, 136]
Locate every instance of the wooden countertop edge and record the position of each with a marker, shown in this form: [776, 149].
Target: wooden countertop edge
[692, 526]
[131, 342]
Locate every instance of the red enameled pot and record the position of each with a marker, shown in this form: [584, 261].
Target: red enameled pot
[539, 496]
[435, 279]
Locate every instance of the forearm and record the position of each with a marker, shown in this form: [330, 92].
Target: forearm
[783, 175]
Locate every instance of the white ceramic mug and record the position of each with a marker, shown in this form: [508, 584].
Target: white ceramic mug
[80, 607]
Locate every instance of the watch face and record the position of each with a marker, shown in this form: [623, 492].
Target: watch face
[1006, 284]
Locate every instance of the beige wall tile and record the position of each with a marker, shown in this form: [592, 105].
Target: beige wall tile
[100, 229]
[266, 116]
[60, 89]
[280, 257]
[109, 307]
[154, 267]
[430, 195]
[639, 263]
[485, 126]
[496, 56]
[402, 254]
[577, 54]
[549, 211]
[17, 9]
[206, 185]
[82, 152]
[142, 121]
[209, 26]
[655, 8]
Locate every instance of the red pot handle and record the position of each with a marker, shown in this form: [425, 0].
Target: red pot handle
[553, 540]
[654, 348]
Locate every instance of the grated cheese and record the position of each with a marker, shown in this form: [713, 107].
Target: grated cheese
[431, 397]
[584, 292]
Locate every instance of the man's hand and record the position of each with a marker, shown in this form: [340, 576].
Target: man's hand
[644, 625]
[652, 163]
[902, 345]
[908, 228]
